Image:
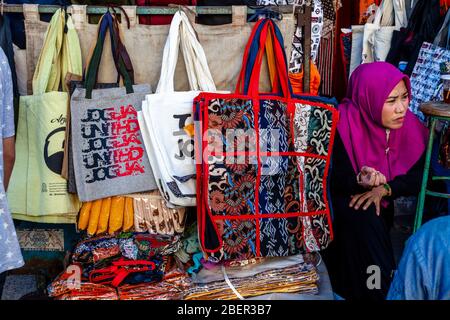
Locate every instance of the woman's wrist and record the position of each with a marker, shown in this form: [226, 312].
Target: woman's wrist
[387, 190]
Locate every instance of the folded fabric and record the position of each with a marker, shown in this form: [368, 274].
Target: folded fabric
[301, 278]
[64, 289]
[171, 288]
[152, 215]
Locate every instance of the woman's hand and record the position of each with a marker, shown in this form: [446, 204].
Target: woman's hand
[369, 178]
[366, 199]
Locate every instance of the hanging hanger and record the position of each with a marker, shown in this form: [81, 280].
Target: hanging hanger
[2, 6]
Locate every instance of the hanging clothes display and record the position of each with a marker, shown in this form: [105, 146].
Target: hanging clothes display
[372, 41]
[378, 34]
[10, 254]
[108, 150]
[346, 50]
[326, 49]
[168, 141]
[228, 190]
[296, 59]
[37, 192]
[424, 24]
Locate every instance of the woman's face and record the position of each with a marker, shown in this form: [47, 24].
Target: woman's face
[395, 107]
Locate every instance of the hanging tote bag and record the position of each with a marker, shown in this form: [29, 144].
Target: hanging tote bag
[267, 197]
[37, 192]
[74, 83]
[108, 152]
[167, 115]
[378, 35]
[423, 25]
[426, 82]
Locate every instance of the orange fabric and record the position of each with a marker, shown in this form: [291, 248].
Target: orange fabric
[270, 58]
[297, 81]
[363, 6]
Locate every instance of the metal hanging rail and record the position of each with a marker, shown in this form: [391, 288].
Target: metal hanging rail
[17, 8]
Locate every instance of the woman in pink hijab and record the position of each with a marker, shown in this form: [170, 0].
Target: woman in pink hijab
[378, 156]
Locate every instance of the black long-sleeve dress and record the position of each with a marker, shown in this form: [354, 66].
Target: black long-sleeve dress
[361, 238]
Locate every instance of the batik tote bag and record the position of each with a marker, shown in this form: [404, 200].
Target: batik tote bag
[167, 115]
[37, 192]
[108, 151]
[425, 79]
[262, 163]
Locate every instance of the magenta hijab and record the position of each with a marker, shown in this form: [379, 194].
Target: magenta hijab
[361, 129]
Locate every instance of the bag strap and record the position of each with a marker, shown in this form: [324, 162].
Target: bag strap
[253, 59]
[250, 55]
[280, 60]
[71, 60]
[47, 74]
[119, 270]
[182, 33]
[107, 23]
[120, 50]
[240, 85]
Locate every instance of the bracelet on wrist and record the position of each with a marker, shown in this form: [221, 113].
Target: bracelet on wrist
[388, 189]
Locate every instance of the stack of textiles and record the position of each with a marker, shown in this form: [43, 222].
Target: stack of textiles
[65, 290]
[129, 266]
[172, 287]
[270, 275]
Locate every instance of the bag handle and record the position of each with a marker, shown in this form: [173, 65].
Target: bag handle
[199, 75]
[116, 52]
[71, 60]
[106, 24]
[253, 59]
[271, 61]
[47, 74]
[120, 51]
[280, 58]
[249, 56]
